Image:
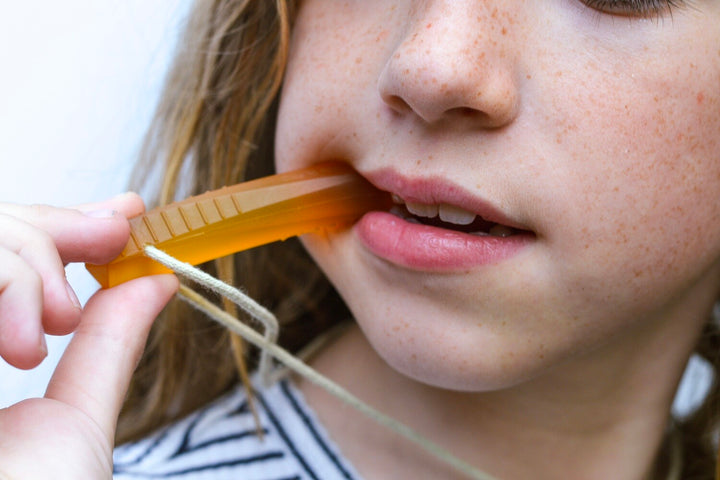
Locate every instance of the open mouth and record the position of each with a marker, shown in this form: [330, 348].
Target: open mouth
[449, 217]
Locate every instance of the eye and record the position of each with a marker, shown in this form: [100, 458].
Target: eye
[635, 8]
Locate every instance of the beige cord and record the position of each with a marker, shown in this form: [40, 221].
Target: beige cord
[675, 463]
[268, 346]
[250, 306]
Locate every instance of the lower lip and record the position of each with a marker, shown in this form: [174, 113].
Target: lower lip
[425, 248]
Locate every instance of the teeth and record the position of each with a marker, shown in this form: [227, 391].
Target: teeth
[403, 213]
[448, 213]
[422, 209]
[398, 211]
[457, 215]
[501, 231]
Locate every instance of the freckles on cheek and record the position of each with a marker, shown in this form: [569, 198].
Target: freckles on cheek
[329, 83]
[642, 166]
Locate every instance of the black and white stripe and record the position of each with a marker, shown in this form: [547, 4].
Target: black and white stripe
[219, 442]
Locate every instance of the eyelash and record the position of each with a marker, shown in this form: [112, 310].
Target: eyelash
[635, 8]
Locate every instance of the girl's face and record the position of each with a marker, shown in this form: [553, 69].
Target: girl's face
[588, 140]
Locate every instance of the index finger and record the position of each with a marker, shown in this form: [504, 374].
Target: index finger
[93, 233]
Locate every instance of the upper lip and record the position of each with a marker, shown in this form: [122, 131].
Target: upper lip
[438, 190]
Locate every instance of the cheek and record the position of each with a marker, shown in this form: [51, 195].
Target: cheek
[643, 169]
[330, 81]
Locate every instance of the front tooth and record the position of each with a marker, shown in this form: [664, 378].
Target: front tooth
[422, 209]
[457, 215]
[397, 200]
[501, 231]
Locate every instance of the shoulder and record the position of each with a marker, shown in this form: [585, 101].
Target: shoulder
[221, 441]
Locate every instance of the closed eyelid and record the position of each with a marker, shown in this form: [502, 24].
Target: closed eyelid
[636, 8]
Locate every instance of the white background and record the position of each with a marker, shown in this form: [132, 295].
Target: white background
[79, 82]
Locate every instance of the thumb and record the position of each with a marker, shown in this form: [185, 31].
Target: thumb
[94, 373]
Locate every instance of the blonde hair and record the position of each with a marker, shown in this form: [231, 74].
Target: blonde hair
[214, 126]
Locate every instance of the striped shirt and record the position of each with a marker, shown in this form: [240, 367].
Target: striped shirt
[220, 442]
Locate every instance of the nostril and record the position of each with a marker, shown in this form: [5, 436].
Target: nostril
[464, 112]
[397, 103]
[470, 113]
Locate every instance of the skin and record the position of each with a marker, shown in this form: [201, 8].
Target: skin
[72, 429]
[599, 133]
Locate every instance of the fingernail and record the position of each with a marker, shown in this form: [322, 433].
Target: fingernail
[71, 295]
[103, 213]
[122, 195]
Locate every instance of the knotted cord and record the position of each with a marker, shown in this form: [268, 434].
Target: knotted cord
[269, 348]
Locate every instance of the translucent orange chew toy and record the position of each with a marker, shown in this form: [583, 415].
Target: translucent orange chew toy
[323, 197]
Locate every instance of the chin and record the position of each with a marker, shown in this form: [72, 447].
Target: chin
[453, 357]
[429, 330]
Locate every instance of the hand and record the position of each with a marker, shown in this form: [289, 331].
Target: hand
[69, 433]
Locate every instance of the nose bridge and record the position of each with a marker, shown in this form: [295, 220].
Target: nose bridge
[453, 33]
[453, 58]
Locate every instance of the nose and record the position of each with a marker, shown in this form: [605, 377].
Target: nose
[453, 63]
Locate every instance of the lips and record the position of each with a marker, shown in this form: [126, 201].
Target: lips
[435, 225]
